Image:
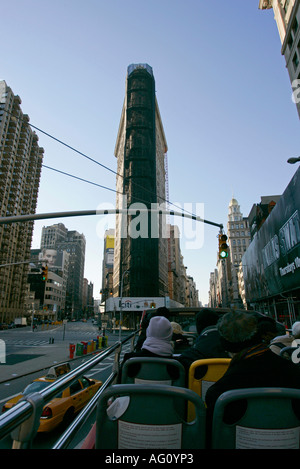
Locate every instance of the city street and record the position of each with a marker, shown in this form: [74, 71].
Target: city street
[29, 355]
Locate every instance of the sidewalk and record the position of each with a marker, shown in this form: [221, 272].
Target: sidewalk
[34, 359]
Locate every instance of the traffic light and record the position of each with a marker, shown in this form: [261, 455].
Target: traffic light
[45, 273]
[223, 246]
[152, 305]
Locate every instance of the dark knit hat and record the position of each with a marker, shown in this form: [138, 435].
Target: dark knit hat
[206, 318]
[238, 331]
[162, 311]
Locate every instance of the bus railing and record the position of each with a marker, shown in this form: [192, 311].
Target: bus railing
[22, 421]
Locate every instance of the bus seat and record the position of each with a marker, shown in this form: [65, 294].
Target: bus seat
[265, 419]
[148, 419]
[204, 373]
[144, 370]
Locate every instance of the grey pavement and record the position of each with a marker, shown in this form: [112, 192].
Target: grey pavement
[31, 359]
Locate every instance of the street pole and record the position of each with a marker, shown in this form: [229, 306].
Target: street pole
[32, 317]
[120, 320]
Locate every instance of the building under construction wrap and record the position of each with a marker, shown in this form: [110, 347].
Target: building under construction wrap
[140, 249]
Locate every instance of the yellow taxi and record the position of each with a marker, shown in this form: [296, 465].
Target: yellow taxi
[66, 404]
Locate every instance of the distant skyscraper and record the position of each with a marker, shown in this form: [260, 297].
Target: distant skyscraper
[238, 239]
[20, 169]
[140, 150]
[59, 238]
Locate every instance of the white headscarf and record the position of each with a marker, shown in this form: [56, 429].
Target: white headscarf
[159, 334]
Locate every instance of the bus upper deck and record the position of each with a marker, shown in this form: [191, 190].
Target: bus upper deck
[159, 412]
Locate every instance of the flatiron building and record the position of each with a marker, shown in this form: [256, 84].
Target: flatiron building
[140, 150]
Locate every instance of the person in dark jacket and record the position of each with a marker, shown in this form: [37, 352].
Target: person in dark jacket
[207, 344]
[253, 364]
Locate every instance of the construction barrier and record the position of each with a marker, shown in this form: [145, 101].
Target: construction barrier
[104, 341]
[84, 348]
[72, 350]
[79, 349]
[85, 344]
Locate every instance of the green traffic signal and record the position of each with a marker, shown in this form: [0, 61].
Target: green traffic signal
[44, 273]
[223, 246]
[223, 254]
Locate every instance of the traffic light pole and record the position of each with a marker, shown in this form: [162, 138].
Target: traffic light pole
[43, 216]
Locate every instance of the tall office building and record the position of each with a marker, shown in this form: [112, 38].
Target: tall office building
[59, 239]
[20, 169]
[287, 17]
[140, 246]
[51, 235]
[238, 239]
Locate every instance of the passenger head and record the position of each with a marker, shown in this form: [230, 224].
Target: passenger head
[160, 328]
[206, 318]
[159, 335]
[177, 329]
[238, 331]
[162, 311]
[296, 330]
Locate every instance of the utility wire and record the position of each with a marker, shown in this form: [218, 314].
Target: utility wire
[81, 179]
[96, 162]
[93, 160]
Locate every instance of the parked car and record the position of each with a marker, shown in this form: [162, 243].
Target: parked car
[66, 404]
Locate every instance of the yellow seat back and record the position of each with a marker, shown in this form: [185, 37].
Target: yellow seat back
[202, 374]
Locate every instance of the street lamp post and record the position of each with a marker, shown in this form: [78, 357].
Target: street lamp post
[293, 160]
[121, 296]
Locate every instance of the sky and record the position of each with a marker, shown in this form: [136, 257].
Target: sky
[223, 92]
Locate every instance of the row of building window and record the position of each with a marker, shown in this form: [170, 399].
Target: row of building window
[238, 242]
[237, 233]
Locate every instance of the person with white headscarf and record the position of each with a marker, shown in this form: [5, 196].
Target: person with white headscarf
[158, 342]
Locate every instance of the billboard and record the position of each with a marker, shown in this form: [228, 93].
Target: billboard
[139, 303]
[52, 258]
[109, 251]
[271, 264]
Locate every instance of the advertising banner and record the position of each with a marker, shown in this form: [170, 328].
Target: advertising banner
[271, 264]
[52, 258]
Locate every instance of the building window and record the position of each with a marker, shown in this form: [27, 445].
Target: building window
[295, 27]
[295, 61]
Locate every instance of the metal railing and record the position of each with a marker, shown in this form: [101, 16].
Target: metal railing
[22, 421]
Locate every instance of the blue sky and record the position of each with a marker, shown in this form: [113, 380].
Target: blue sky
[222, 87]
